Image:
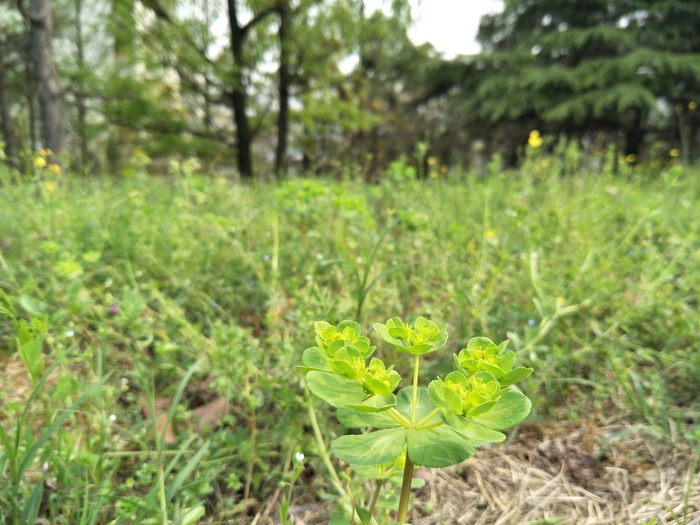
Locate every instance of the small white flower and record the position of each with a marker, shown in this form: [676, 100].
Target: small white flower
[319, 256]
[299, 457]
[69, 333]
[112, 418]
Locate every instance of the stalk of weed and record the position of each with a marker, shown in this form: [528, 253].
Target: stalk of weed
[21, 450]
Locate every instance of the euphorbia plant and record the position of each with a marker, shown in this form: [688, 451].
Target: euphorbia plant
[437, 426]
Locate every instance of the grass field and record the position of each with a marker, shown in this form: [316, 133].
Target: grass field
[162, 388]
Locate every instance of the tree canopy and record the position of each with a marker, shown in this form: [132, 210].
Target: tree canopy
[325, 85]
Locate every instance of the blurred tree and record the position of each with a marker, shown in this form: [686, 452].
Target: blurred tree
[40, 19]
[583, 66]
[11, 150]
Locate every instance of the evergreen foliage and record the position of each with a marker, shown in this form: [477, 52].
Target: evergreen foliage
[593, 66]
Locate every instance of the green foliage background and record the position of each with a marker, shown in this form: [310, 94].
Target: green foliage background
[164, 283]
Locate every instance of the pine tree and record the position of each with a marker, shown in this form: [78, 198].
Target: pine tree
[579, 66]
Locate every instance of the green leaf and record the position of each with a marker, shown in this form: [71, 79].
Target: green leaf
[420, 349]
[334, 390]
[192, 515]
[514, 376]
[351, 418]
[424, 406]
[284, 507]
[484, 407]
[339, 519]
[363, 514]
[186, 473]
[483, 344]
[374, 448]
[507, 361]
[314, 359]
[33, 307]
[472, 430]
[509, 410]
[375, 403]
[6, 307]
[383, 332]
[354, 326]
[437, 447]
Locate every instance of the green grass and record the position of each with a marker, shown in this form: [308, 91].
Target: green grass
[192, 287]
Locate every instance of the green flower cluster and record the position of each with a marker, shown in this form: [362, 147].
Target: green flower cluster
[483, 375]
[346, 352]
[423, 337]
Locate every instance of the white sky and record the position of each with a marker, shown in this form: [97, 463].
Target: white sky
[449, 25]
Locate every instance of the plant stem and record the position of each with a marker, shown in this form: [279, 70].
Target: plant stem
[427, 418]
[414, 404]
[408, 468]
[375, 496]
[398, 417]
[323, 450]
[405, 492]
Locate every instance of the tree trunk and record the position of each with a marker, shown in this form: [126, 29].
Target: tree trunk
[635, 133]
[80, 93]
[285, 79]
[239, 96]
[8, 132]
[46, 77]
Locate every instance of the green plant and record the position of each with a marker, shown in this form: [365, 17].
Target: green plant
[22, 447]
[437, 426]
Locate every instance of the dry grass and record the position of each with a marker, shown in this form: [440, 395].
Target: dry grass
[609, 475]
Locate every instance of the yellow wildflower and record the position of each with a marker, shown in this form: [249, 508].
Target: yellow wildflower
[489, 233]
[535, 141]
[631, 158]
[40, 162]
[443, 168]
[674, 152]
[432, 161]
[692, 105]
[55, 168]
[49, 187]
